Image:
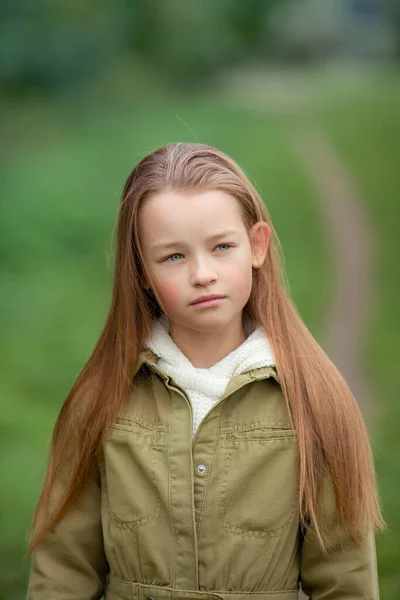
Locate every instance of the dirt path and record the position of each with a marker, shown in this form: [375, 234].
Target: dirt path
[346, 224]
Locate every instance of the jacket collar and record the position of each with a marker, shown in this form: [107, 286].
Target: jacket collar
[149, 358]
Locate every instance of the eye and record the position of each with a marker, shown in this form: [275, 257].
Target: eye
[224, 246]
[172, 257]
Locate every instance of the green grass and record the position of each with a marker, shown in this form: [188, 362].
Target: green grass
[65, 169]
[364, 126]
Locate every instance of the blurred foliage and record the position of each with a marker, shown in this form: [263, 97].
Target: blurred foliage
[49, 44]
[45, 44]
[393, 8]
[55, 45]
[191, 40]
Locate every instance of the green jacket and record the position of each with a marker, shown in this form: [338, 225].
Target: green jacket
[214, 517]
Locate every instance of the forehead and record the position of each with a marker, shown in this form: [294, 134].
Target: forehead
[178, 216]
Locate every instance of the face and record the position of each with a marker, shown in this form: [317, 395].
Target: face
[197, 245]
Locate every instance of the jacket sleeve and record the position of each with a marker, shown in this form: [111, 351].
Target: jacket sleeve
[70, 563]
[347, 571]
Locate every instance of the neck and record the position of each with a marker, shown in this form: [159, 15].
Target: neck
[205, 349]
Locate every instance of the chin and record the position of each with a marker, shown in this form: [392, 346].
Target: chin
[209, 322]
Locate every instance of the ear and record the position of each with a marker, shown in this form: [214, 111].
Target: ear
[260, 235]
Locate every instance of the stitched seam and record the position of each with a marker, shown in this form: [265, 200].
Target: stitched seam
[130, 432]
[241, 531]
[280, 592]
[147, 424]
[205, 592]
[216, 592]
[277, 592]
[236, 441]
[102, 469]
[193, 506]
[207, 481]
[232, 426]
[169, 490]
[183, 591]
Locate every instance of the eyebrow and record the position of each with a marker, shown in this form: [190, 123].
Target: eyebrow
[215, 236]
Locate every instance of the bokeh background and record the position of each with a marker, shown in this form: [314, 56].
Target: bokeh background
[304, 94]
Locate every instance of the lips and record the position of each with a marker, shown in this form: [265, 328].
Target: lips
[205, 298]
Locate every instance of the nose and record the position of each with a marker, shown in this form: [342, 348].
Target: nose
[202, 274]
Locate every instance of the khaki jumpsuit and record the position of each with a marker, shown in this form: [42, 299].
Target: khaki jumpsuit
[210, 517]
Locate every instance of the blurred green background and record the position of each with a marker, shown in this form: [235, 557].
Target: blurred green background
[87, 89]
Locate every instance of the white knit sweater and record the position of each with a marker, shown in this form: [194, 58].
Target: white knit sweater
[204, 387]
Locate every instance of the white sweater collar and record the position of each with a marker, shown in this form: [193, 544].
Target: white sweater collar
[253, 353]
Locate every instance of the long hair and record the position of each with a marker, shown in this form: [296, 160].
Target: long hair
[331, 433]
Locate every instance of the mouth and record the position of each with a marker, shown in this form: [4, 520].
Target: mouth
[212, 300]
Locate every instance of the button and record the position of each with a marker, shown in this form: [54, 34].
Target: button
[201, 469]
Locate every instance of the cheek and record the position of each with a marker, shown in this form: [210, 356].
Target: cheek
[170, 293]
[241, 280]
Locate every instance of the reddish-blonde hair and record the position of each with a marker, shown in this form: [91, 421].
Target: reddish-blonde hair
[332, 438]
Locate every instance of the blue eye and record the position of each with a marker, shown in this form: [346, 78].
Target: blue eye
[227, 246]
[169, 258]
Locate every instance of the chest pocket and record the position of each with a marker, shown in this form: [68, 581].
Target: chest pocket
[258, 495]
[134, 465]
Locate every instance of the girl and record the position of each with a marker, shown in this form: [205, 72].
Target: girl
[209, 449]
